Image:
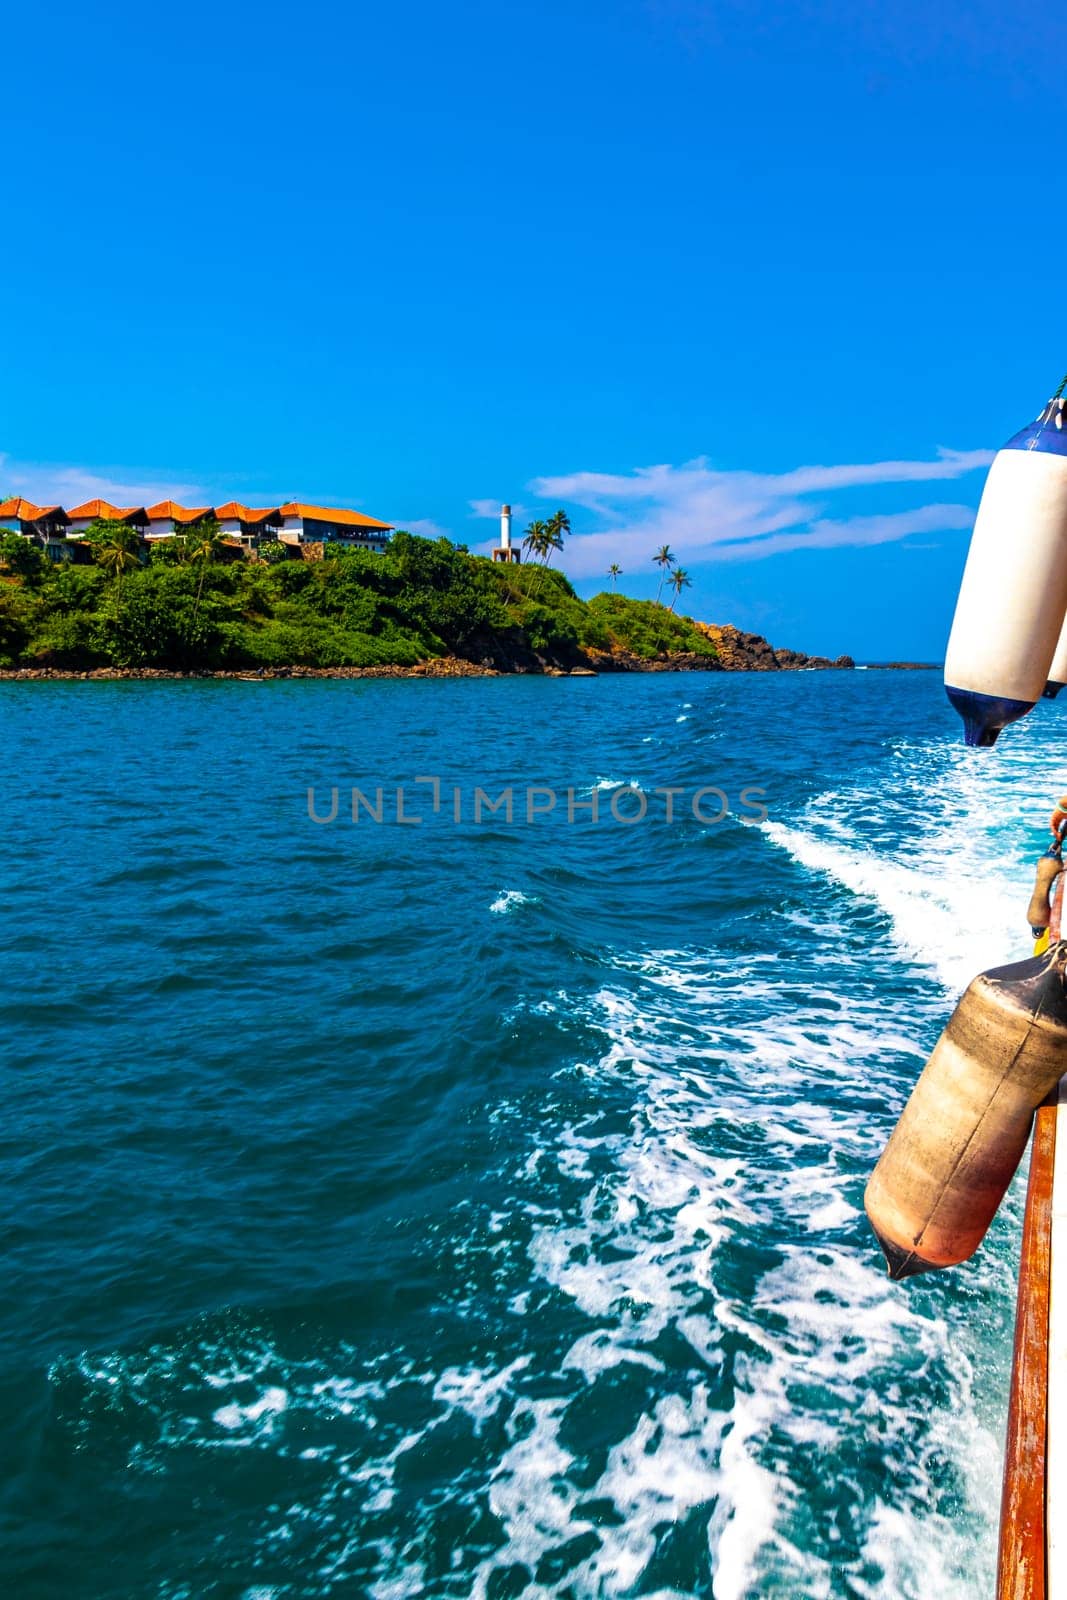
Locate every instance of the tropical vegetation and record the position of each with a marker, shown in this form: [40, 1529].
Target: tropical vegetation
[194, 607]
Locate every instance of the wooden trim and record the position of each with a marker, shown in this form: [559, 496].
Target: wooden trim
[1021, 1564]
[1056, 1401]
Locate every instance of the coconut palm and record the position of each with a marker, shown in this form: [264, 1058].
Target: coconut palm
[680, 580]
[543, 538]
[116, 548]
[203, 542]
[557, 529]
[664, 560]
[614, 573]
[533, 541]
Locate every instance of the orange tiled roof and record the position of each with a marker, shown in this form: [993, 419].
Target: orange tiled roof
[170, 510]
[93, 508]
[104, 509]
[26, 511]
[344, 519]
[234, 508]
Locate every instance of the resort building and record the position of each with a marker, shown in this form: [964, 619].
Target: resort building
[306, 529]
[81, 518]
[47, 525]
[167, 518]
[303, 524]
[247, 525]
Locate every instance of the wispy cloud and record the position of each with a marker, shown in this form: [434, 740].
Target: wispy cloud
[424, 526]
[49, 482]
[824, 534]
[708, 514]
[491, 508]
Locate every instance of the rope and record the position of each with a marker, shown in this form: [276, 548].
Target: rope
[1061, 388]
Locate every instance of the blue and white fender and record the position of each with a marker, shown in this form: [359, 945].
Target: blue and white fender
[1057, 673]
[1013, 598]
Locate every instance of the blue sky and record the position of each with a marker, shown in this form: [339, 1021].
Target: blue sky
[768, 283]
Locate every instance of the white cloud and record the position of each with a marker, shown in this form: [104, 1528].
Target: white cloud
[51, 484]
[705, 513]
[824, 534]
[491, 508]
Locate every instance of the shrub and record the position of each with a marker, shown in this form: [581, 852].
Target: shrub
[14, 634]
[156, 624]
[73, 588]
[22, 558]
[68, 639]
[166, 552]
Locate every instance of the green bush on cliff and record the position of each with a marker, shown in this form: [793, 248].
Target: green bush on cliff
[19, 557]
[155, 622]
[188, 608]
[647, 628]
[14, 633]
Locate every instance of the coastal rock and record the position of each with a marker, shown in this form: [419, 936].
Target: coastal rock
[738, 652]
[751, 652]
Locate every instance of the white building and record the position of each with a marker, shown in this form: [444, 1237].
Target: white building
[247, 525]
[82, 517]
[167, 517]
[46, 525]
[302, 524]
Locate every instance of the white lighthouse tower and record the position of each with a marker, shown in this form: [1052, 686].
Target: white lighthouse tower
[505, 551]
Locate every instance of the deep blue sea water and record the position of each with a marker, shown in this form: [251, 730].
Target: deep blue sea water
[465, 1208]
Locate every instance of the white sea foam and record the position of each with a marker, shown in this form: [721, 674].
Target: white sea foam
[639, 1255]
[696, 1208]
[605, 785]
[270, 1404]
[477, 1392]
[946, 854]
[510, 899]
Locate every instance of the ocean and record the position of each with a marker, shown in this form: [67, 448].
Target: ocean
[472, 1206]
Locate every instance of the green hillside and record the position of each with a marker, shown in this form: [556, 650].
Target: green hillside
[194, 608]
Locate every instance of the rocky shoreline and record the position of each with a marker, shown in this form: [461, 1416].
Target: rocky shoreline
[738, 652]
[751, 652]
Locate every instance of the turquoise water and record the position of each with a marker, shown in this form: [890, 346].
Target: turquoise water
[475, 1209]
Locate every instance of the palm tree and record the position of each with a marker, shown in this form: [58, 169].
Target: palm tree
[533, 541]
[614, 573]
[664, 561]
[680, 580]
[557, 529]
[203, 541]
[116, 548]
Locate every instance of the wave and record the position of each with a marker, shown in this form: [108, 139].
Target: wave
[510, 899]
[645, 1343]
[946, 859]
[709, 1386]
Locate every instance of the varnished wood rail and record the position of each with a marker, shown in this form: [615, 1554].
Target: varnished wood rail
[1021, 1567]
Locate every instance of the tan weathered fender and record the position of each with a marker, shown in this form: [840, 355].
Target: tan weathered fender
[1039, 909]
[963, 1132]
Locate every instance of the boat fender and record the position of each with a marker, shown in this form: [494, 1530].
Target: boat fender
[1048, 870]
[1013, 596]
[962, 1134]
